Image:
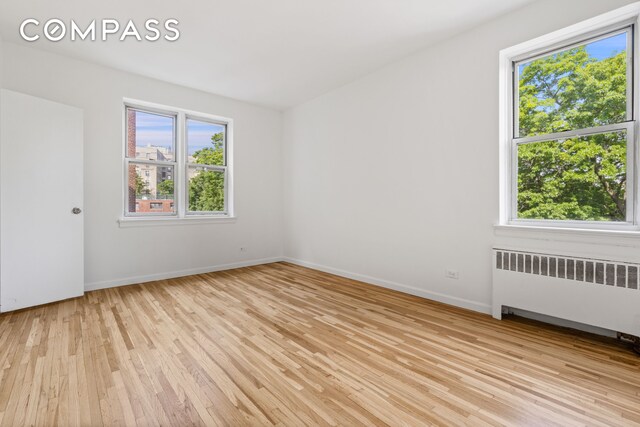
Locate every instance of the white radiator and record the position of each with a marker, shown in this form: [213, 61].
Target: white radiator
[602, 293]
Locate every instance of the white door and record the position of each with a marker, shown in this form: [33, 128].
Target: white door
[41, 238]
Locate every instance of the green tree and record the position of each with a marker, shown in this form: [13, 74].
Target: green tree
[165, 188]
[141, 186]
[578, 178]
[206, 188]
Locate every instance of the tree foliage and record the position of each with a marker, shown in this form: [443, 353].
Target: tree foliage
[206, 188]
[141, 186]
[165, 187]
[578, 178]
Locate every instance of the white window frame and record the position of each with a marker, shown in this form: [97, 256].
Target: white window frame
[180, 168]
[601, 26]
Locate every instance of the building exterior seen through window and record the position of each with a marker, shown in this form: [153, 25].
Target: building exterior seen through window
[153, 163]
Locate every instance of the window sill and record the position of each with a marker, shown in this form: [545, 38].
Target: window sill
[628, 238]
[127, 222]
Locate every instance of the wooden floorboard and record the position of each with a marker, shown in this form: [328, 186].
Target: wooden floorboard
[280, 344]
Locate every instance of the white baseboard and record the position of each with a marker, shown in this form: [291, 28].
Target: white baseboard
[435, 296]
[173, 274]
[446, 299]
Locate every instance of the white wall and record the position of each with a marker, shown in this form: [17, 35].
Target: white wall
[1, 56]
[394, 177]
[116, 255]
[1, 82]
[391, 179]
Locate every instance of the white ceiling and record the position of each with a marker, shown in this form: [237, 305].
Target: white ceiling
[277, 53]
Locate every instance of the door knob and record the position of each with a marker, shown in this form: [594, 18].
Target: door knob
[76, 211]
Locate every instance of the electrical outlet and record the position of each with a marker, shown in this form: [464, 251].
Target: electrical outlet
[244, 249]
[451, 274]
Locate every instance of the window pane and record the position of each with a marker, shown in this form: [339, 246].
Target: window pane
[150, 188]
[206, 190]
[205, 143]
[574, 179]
[150, 136]
[576, 88]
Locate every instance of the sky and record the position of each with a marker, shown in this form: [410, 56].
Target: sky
[157, 131]
[602, 49]
[607, 47]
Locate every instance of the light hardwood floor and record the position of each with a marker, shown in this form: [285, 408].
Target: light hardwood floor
[280, 344]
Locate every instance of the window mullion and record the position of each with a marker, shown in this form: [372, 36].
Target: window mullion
[181, 159]
[515, 73]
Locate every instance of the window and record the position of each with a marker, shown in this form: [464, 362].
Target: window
[149, 133]
[206, 166]
[176, 163]
[571, 132]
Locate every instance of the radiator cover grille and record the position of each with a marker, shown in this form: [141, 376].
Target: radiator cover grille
[601, 272]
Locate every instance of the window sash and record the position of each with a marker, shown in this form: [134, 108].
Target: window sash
[208, 167]
[213, 168]
[631, 199]
[132, 162]
[204, 120]
[172, 116]
[627, 28]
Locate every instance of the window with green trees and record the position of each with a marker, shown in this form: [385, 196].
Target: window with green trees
[206, 168]
[177, 162]
[573, 132]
